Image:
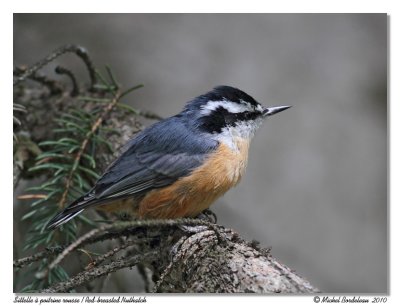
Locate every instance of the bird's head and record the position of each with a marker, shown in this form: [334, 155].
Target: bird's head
[228, 112]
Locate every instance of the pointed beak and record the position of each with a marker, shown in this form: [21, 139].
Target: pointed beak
[269, 111]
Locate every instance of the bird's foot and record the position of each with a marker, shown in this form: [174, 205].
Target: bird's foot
[193, 229]
[208, 215]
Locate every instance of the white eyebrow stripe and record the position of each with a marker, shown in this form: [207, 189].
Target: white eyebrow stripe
[232, 107]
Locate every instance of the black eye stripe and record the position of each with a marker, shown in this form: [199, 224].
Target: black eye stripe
[221, 117]
[247, 116]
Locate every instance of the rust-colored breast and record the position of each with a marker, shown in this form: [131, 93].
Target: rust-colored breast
[190, 195]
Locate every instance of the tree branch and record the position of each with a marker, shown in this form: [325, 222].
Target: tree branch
[86, 276]
[78, 50]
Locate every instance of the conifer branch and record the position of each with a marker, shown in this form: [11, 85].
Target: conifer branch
[84, 145]
[68, 156]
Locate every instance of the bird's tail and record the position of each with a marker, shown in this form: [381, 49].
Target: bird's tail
[74, 209]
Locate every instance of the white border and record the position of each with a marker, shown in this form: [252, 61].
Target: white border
[116, 6]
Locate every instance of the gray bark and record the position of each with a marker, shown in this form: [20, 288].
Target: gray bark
[204, 262]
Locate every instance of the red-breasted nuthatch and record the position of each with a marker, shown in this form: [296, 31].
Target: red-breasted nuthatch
[179, 166]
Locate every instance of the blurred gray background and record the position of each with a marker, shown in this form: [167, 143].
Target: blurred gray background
[315, 187]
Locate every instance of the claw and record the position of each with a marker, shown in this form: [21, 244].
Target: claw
[208, 215]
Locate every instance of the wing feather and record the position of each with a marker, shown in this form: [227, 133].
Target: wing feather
[154, 159]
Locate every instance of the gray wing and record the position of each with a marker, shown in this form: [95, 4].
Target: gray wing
[157, 157]
[141, 172]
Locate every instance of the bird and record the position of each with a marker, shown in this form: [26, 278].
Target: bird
[179, 166]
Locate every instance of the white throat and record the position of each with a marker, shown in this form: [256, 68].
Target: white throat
[243, 130]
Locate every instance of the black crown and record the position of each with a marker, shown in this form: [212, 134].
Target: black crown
[229, 93]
